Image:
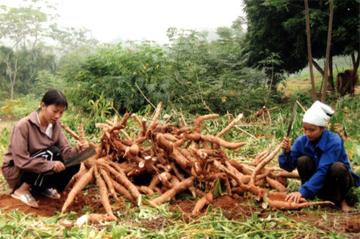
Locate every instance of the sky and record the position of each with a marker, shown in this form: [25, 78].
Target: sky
[138, 19]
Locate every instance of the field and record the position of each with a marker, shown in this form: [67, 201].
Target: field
[226, 217]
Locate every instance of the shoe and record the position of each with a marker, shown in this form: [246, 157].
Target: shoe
[28, 199]
[49, 192]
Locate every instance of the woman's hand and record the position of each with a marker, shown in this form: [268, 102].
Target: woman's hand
[286, 144]
[59, 166]
[81, 147]
[295, 197]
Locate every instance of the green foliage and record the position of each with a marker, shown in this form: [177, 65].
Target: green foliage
[29, 103]
[217, 188]
[44, 81]
[353, 197]
[17, 225]
[118, 74]
[20, 26]
[212, 225]
[4, 142]
[348, 113]
[28, 63]
[100, 107]
[279, 27]
[212, 77]
[8, 109]
[187, 73]
[71, 39]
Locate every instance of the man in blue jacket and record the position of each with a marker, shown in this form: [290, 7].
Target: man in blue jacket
[321, 160]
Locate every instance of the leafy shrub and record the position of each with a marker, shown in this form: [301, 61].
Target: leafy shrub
[4, 142]
[188, 73]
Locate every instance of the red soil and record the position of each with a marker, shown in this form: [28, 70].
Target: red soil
[48, 206]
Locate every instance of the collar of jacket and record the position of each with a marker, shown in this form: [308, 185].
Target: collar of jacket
[321, 144]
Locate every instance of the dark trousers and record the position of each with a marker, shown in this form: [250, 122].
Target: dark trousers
[337, 182]
[50, 180]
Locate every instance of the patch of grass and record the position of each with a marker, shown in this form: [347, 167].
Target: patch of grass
[140, 224]
[4, 142]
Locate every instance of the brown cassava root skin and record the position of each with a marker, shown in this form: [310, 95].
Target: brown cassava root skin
[242, 169]
[154, 121]
[97, 218]
[109, 184]
[81, 133]
[276, 185]
[283, 205]
[123, 191]
[200, 204]
[173, 191]
[286, 174]
[157, 179]
[261, 156]
[262, 164]
[103, 191]
[121, 178]
[200, 119]
[237, 119]
[77, 188]
[72, 133]
[221, 142]
[180, 159]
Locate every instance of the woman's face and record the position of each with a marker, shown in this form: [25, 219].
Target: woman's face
[312, 132]
[52, 113]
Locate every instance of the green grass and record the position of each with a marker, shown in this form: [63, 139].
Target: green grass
[147, 222]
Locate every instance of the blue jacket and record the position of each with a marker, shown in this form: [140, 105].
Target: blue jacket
[329, 150]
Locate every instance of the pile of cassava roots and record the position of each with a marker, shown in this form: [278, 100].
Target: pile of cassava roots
[168, 159]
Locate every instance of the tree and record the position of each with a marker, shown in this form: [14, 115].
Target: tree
[235, 31]
[70, 39]
[323, 97]
[28, 30]
[279, 27]
[308, 37]
[224, 33]
[212, 77]
[23, 27]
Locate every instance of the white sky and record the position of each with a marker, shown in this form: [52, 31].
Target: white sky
[136, 19]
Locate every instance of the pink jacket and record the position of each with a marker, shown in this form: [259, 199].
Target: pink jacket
[26, 140]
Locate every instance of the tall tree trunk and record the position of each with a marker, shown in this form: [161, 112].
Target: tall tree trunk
[353, 59]
[12, 90]
[323, 97]
[309, 50]
[330, 77]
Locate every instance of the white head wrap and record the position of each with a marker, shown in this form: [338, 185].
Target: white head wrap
[318, 114]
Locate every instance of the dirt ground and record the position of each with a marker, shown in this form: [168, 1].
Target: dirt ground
[48, 206]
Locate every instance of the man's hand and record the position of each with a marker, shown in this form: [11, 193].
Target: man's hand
[286, 144]
[59, 166]
[295, 197]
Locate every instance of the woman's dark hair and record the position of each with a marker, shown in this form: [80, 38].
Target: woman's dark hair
[54, 96]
